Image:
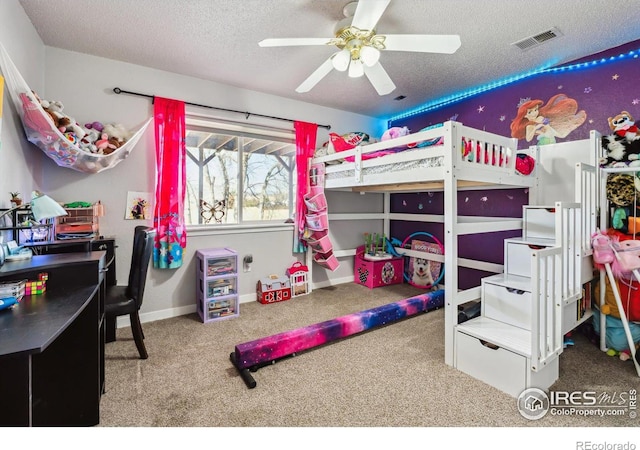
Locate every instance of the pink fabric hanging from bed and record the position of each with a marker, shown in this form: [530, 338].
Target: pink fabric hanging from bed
[168, 219]
[306, 134]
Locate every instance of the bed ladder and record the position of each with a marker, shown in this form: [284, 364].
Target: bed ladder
[515, 342]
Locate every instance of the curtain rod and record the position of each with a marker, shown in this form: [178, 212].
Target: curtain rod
[117, 90]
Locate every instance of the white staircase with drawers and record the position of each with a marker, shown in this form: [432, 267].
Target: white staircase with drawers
[525, 311]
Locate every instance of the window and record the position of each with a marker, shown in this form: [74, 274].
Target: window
[238, 174]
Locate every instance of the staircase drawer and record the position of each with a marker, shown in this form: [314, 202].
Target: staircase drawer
[539, 222]
[493, 365]
[517, 258]
[507, 305]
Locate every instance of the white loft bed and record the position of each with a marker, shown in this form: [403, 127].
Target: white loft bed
[447, 168]
[444, 167]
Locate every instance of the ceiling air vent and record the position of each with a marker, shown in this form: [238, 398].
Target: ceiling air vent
[533, 41]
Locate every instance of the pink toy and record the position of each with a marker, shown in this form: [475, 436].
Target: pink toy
[103, 143]
[394, 132]
[340, 144]
[602, 249]
[35, 119]
[623, 256]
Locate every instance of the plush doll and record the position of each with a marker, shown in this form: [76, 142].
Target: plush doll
[620, 152]
[394, 132]
[88, 142]
[117, 131]
[34, 120]
[97, 126]
[104, 146]
[624, 126]
[62, 121]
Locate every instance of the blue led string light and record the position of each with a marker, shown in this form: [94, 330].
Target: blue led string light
[454, 98]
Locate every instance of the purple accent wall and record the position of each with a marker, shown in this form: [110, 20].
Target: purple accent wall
[601, 91]
[484, 247]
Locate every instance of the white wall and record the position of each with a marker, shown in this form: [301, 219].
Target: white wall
[20, 163]
[84, 84]
[557, 170]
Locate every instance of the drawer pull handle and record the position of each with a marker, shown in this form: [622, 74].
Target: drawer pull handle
[489, 345]
[515, 291]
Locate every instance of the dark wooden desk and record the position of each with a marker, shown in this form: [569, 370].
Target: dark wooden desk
[107, 244]
[52, 345]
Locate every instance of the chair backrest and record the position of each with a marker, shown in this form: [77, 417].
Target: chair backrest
[140, 257]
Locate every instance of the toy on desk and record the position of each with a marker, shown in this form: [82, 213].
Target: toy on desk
[375, 246]
[11, 293]
[39, 286]
[17, 253]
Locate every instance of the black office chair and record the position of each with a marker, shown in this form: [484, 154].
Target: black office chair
[121, 300]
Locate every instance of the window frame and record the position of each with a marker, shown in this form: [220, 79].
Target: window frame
[209, 124]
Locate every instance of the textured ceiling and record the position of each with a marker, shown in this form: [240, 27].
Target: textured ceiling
[218, 40]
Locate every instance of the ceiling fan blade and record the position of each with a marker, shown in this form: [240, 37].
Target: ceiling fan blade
[379, 79]
[316, 76]
[283, 42]
[368, 12]
[431, 43]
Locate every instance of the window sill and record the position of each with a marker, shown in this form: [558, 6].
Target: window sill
[211, 230]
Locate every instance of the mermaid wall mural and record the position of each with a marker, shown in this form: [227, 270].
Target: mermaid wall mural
[545, 122]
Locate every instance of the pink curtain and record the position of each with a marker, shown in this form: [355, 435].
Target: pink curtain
[305, 145]
[168, 218]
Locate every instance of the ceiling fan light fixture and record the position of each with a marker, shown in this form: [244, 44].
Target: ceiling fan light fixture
[369, 55]
[359, 46]
[356, 68]
[341, 60]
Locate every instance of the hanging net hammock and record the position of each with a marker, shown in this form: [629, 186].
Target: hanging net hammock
[64, 148]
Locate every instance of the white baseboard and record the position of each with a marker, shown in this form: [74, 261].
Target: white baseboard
[123, 321]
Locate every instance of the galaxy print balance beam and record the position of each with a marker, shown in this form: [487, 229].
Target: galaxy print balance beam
[252, 355]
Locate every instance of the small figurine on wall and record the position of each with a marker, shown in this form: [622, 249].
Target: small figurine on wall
[15, 198]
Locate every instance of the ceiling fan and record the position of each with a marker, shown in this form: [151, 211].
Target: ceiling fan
[360, 46]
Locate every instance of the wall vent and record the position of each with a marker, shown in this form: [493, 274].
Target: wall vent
[533, 41]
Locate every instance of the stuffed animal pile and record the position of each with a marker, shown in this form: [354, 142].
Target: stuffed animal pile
[93, 137]
[622, 147]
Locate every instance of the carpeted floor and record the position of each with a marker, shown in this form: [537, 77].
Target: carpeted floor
[394, 376]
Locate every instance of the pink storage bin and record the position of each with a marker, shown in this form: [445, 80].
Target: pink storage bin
[318, 221]
[315, 202]
[320, 242]
[373, 274]
[327, 260]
